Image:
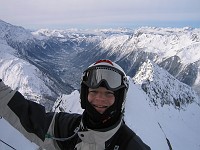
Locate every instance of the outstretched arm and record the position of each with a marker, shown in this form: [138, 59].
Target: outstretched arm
[26, 116]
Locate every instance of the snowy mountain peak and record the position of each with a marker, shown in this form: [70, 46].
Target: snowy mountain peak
[162, 88]
[182, 42]
[13, 33]
[48, 33]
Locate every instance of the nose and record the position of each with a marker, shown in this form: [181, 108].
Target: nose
[100, 96]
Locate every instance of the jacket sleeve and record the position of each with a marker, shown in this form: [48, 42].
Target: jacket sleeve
[26, 116]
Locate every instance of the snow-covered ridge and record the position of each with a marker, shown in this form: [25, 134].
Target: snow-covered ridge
[48, 33]
[14, 33]
[162, 88]
[68, 103]
[56, 33]
[80, 34]
[171, 41]
[165, 42]
[23, 76]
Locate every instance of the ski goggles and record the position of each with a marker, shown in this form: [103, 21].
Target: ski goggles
[113, 78]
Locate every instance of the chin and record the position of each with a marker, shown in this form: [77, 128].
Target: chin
[100, 111]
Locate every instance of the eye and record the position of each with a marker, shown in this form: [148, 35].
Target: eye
[92, 92]
[109, 94]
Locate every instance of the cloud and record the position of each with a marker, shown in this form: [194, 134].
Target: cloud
[77, 12]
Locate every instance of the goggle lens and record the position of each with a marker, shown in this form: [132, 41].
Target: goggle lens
[94, 77]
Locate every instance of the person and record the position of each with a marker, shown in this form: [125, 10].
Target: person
[104, 85]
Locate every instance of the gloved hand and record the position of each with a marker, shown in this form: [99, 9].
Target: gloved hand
[0, 80]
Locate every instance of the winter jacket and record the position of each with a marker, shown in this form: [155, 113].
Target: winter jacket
[62, 131]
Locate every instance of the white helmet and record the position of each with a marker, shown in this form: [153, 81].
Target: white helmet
[107, 74]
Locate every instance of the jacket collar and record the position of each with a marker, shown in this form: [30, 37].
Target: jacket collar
[99, 137]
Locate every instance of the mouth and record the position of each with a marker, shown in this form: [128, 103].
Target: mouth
[98, 106]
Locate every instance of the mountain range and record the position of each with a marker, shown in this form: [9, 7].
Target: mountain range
[162, 63]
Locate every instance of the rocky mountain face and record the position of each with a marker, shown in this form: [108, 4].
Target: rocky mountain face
[61, 55]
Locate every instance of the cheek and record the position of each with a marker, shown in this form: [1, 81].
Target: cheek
[89, 98]
[111, 101]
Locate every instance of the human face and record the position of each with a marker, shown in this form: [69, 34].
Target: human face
[101, 98]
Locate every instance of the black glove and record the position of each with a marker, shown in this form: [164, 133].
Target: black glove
[0, 80]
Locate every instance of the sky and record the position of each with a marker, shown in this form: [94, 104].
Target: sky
[62, 14]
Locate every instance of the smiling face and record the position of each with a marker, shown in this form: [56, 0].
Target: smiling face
[101, 98]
